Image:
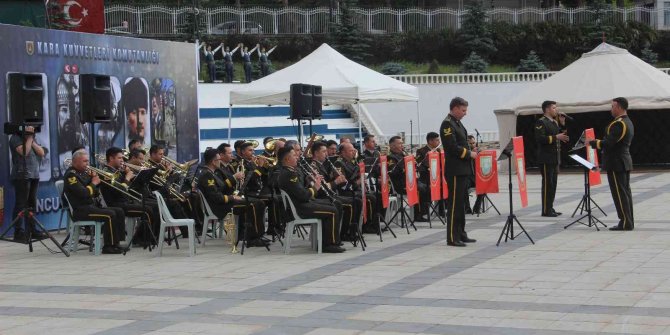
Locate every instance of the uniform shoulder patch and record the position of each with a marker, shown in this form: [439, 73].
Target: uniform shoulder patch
[539, 127]
[210, 182]
[294, 179]
[72, 180]
[447, 131]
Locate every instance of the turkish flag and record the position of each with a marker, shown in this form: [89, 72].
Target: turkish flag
[445, 188]
[361, 171]
[384, 167]
[591, 156]
[486, 177]
[520, 162]
[83, 15]
[410, 181]
[434, 167]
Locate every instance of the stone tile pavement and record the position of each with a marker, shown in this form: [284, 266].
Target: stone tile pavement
[575, 281]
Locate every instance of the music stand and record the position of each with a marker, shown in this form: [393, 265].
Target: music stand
[508, 228]
[581, 144]
[485, 204]
[141, 181]
[585, 203]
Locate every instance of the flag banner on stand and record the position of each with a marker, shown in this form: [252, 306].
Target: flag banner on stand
[87, 16]
[520, 162]
[384, 177]
[486, 168]
[410, 181]
[435, 171]
[592, 157]
[361, 171]
[445, 189]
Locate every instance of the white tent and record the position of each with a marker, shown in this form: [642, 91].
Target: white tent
[343, 82]
[588, 85]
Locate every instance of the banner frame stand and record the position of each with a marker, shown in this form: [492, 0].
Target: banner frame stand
[508, 228]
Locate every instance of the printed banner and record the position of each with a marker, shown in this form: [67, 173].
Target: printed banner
[361, 171]
[435, 171]
[486, 168]
[520, 161]
[592, 157]
[87, 16]
[384, 180]
[445, 189]
[410, 181]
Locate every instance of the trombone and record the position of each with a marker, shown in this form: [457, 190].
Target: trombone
[110, 180]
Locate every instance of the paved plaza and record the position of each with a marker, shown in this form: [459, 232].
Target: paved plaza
[574, 281]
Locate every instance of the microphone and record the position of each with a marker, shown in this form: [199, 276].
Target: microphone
[477, 131]
[568, 117]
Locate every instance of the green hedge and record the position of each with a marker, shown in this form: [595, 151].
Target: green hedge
[557, 45]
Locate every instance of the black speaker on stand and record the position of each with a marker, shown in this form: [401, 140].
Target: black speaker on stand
[26, 95]
[95, 98]
[317, 102]
[301, 101]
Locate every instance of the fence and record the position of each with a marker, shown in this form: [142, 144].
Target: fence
[166, 21]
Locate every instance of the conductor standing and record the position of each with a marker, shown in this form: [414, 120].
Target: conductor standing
[618, 162]
[457, 169]
[549, 133]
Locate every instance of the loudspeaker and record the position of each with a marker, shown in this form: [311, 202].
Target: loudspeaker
[26, 95]
[316, 102]
[301, 101]
[95, 98]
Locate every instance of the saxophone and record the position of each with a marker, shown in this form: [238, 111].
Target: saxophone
[230, 227]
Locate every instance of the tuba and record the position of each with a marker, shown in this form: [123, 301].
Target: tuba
[230, 227]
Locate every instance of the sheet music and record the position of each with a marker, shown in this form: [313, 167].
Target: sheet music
[583, 162]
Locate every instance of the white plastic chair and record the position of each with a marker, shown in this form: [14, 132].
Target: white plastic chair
[73, 230]
[60, 184]
[209, 216]
[314, 223]
[168, 221]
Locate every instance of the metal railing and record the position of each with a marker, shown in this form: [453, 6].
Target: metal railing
[472, 78]
[166, 21]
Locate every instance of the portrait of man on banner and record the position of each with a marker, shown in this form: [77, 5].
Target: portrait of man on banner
[410, 181]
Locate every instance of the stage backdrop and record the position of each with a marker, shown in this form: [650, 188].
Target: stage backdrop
[154, 99]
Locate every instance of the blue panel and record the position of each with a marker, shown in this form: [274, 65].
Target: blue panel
[259, 132]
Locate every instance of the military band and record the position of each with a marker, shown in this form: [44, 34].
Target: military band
[323, 181]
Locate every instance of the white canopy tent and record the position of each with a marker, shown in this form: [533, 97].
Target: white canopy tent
[343, 82]
[588, 85]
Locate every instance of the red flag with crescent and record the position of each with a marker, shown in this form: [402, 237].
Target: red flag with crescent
[361, 171]
[486, 168]
[520, 164]
[384, 180]
[591, 156]
[410, 181]
[435, 171]
[83, 15]
[445, 189]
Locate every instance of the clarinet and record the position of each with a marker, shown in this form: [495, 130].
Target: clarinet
[309, 171]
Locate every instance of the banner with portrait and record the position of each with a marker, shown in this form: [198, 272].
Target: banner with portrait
[520, 164]
[384, 180]
[361, 171]
[592, 157]
[486, 172]
[411, 183]
[152, 85]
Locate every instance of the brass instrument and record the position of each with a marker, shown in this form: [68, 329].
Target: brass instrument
[271, 145]
[254, 143]
[230, 228]
[110, 180]
[181, 168]
[268, 161]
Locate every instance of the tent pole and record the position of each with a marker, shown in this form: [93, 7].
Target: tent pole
[360, 126]
[418, 125]
[230, 121]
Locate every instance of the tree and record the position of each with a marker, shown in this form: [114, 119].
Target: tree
[194, 25]
[474, 64]
[475, 33]
[346, 36]
[649, 56]
[532, 63]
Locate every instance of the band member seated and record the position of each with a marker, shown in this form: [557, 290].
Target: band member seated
[349, 168]
[332, 150]
[423, 165]
[134, 144]
[178, 207]
[227, 182]
[370, 154]
[82, 188]
[129, 200]
[265, 152]
[396, 168]
[302, 197]
[351, 211]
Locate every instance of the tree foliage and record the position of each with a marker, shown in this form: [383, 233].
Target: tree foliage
[532, 63]
[475, 32]
[347, 38]
[474, 64]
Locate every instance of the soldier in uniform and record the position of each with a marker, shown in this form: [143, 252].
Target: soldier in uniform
[548, 137]
[618, 162]
[457, 169]
[423, 167]
[396, 168]
[178, 208]
[114, 197]
[370, 153]
[332, 150]
[292, 182]
[81, 189]
[251, 210]
[347, 166]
